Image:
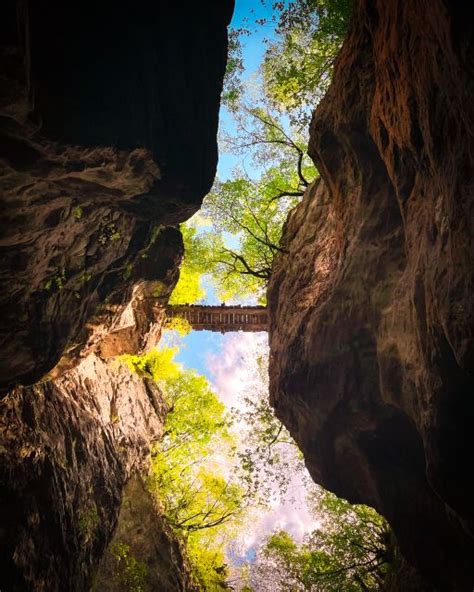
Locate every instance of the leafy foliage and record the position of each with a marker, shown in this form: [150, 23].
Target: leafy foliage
[265, 137]
[178, 324]
[349, 551]
[271, 131]
[131, 574]
[203, 503]
[188, 290]
[183, 475]
[88, 522]
[208, 555]
[233, 87]
[298, 64]
[269, 456]
[243, 271]
[157, 364]
[254, 211]
[195, 496]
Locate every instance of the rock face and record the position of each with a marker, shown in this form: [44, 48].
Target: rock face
[108, 121]
[68, 448]
[372, 308]
[143, 549]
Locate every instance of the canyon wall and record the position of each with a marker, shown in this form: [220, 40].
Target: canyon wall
[68, 448]
[108, 122]
[371, 304]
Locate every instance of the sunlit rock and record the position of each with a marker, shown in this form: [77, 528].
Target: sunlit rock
[371, 310]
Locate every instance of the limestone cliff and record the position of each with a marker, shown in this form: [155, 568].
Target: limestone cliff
[372, 305]
[108, 120]
[143, 550]
[67, 449]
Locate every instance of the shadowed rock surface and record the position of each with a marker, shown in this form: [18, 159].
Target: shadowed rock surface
[371, 310]
[108, 121]
[68, 448]
[143, 546]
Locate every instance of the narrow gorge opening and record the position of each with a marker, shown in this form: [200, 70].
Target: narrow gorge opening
[200, 354]
[227, 475]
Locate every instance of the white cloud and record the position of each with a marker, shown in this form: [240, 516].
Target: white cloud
[290, 514]
[232, 371]
[232, 368]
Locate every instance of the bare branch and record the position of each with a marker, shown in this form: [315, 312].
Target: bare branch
[286, 194]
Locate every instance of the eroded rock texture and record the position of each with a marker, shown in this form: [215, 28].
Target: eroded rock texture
[372, 307]
[67, 449]
[108, 119]
[143, 547]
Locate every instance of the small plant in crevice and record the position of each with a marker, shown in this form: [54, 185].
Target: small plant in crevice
[85, 277]
[108, 232]
[155, 232]
[131, 573]
[88, 522]
[56, 281]
[127, 272]
[159, 289]
[78, 213]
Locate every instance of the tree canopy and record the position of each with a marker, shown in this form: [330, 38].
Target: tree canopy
[270, 131]
[269, 455]
[298, 63]
[200, 475]
[247, 213]
[205, 481]
[186, 477]
[349, 551]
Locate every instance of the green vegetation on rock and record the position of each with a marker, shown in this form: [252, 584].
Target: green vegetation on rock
[131, 574]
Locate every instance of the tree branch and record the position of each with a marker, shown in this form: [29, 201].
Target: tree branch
[286, 194]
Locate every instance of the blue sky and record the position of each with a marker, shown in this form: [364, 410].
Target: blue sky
[246, 13]
[196, 347]
[225, 359]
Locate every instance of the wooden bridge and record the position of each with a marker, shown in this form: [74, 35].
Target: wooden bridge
[221, 318]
